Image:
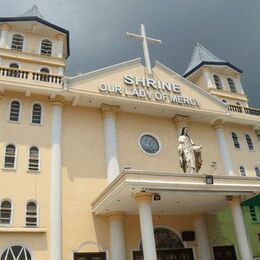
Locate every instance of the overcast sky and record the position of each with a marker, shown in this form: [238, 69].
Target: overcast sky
[230, 29]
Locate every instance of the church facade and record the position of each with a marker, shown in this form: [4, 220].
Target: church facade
[91, 167]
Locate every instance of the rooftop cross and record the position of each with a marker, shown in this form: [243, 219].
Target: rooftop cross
[145, 40]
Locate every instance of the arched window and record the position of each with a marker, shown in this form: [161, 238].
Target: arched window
[31, 214]
[242, 171]
[10, 157]
[14, 66]
[45, 76]
[5, 212]
[45, 70]
[14, 70]
[249, 142]
[16, 253]
[257, 171]
[238, 104]
[17, 42]
[217, 81]
[224, 101]
[46, 47]
[33, 164]
[15, 111]
[37, 114]
[235, 140]
[231, 85]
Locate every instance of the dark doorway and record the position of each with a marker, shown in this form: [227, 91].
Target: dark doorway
[90, 256]
[171, 254]
[224, 252]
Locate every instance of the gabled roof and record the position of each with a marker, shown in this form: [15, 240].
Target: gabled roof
[34, 11]
[34, 15]
[201, 56]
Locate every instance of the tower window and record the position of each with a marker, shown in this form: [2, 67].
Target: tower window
[249, 142]
[217, 81]
[17, 42]
[231, 85]
[37, 114]
[5, 212]
[15, 111]
[235, 140]
[242, 171]
[46, 47]
[31, 214]
[257, 171]
[33, 164]
[10, 156]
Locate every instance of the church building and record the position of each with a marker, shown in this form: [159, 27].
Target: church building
[129, 162]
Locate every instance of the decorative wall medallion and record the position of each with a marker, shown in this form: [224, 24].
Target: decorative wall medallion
[149, 144]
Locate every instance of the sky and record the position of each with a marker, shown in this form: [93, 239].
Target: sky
[230, 29]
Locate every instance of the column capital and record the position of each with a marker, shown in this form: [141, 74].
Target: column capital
[231, 199]
[181, 121]
[57, 100]
[218, 123]
[116, 215]
[109, 110]
[143, 196]
[198, 215]
[1, 94]
[5, 26]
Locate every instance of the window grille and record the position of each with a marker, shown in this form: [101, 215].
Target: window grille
[33, 159]
[242, 171]
[10, 154]
[235, 140]
[16, 253]
[37, 114]
[5, 212]
[17, 42]
[253, 214]
[15, 111]
[31, 214]
[217, 81]
[231, 85]
[46, 47]
[249, 142]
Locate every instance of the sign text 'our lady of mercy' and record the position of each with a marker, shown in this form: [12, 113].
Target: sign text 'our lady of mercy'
[148, 88]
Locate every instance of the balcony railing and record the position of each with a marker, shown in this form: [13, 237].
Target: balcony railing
[244, 110]
[29, 75]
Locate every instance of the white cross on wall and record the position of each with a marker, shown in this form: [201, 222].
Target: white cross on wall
[145, 40]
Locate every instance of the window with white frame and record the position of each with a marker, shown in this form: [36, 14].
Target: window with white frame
[249, 142]
[217, 81]
[37, 114]
[17, 42]
[15, 111]
[231, 84]
[16, 252]
[5, 212]
[33, 164]
[46, 47]
[31, 214]
[242, 171]
[235, 140]
[253, 214]
[257, 171]
[10, 156]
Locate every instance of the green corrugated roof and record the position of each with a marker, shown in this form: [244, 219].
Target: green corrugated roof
[255, 201]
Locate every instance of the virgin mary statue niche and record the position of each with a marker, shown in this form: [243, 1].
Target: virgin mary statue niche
[189, 153]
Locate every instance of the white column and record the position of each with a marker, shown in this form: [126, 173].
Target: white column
[238, 84]
[224, 151]
[146, 222]
[244, 248]
[109, 115]
[202, 239]
[60, 45]
[60, 71]
[207, 76]
[56, 181]
[1, 61]
[4, 33]
[117, 236]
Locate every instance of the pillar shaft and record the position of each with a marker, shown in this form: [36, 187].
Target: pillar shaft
[110, 133]
[202, 237]
[60, 45]
[224, 152]
[55, 185]
[117, 236]
[146, 223]
[244, 248]
[4, 33]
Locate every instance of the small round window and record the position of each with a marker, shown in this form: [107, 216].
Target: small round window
[149, 144]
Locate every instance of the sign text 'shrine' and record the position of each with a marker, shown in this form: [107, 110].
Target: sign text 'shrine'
[149, 89]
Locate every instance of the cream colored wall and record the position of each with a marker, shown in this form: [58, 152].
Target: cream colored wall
[20, 185]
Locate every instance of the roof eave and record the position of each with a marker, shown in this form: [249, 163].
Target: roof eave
[220, 63]
[37, 19]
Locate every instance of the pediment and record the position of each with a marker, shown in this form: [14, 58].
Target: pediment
[128, 82]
